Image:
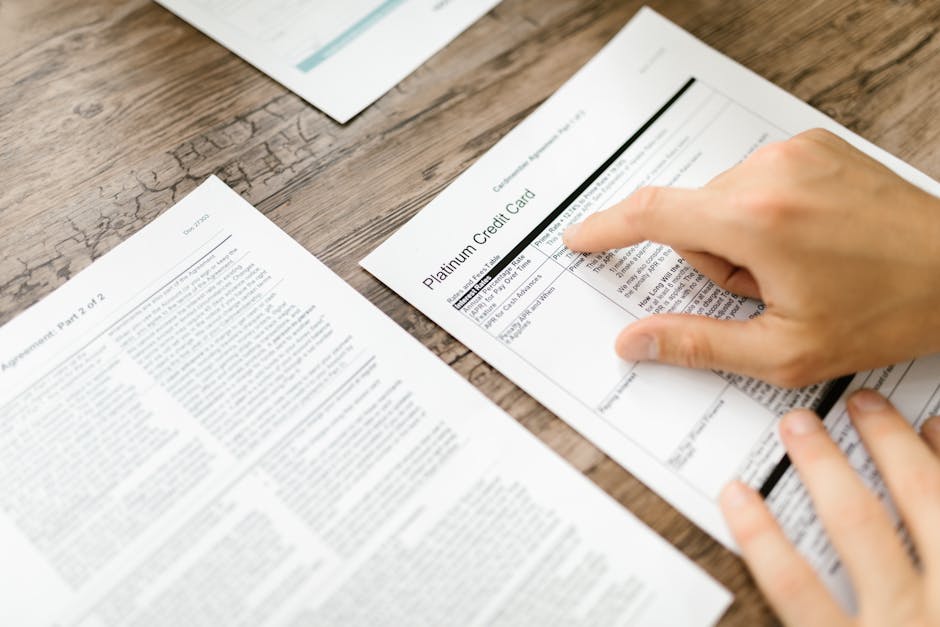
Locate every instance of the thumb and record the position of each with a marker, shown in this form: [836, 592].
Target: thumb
[753, 348]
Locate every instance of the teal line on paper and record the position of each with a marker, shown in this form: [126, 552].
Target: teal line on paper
[349, 35]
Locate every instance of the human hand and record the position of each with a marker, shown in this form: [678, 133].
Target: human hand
[843, 252]
[890, 589]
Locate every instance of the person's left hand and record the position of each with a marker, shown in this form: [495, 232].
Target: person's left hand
[890, 588]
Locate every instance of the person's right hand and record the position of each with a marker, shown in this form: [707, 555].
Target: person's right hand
[844, 253]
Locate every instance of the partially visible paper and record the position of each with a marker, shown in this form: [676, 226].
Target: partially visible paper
[485, 260]
[338, 56]
[208, 427]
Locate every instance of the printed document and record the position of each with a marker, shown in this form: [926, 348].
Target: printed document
[338, 56]
[208, 427]
[485, 260]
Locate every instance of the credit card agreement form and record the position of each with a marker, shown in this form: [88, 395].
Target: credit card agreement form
[485, 260]
[208, 427]
[338, 56]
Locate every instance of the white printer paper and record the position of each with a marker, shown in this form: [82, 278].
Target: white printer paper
[208, 427]
[338, 56]
[485, 260]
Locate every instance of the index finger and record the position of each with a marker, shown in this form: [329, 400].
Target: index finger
[672, 216]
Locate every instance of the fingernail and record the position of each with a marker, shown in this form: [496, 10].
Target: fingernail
[570, 232]
[801, 422]
[639, 348]
[735, 495]
[868, 401]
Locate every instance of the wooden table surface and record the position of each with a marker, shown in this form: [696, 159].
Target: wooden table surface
[111, 111]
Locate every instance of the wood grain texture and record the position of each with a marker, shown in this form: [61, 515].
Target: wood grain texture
[110, 111]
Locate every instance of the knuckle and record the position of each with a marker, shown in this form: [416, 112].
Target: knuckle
[771, 152]
[786, 583]
[779, 154]
[645, 200]
[856, 513]
[749, 532]
[921, 485]
[782, 378]
[817, 135]
[796, 366]
[764, 209]
[692, 350]
[751, 527]
[789, 376]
